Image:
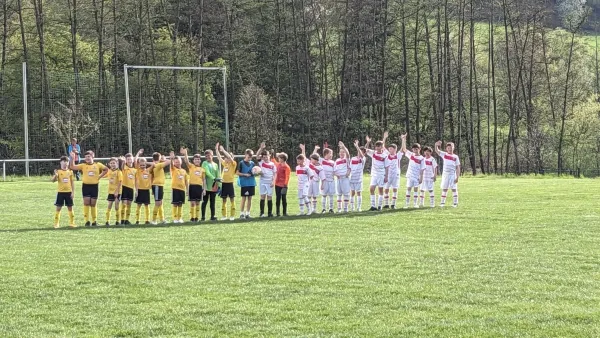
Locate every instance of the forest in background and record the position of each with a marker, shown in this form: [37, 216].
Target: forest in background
[513, 83]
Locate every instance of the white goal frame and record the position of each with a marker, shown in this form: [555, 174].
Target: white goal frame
[225, 106]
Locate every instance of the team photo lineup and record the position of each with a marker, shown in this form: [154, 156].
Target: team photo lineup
[134, 180]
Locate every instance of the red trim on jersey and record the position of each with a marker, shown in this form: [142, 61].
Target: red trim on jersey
[314, 168]
[357, 161]
[341, 161]
[267, 165]
[450, 158]
[428, 162]
[327, 163]
[392, 157]
[416, 160]
[300, 172]
[378, 158]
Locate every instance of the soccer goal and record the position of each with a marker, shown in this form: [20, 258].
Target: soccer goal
[168, 107]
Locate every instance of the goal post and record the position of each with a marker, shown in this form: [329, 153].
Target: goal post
[223, 70]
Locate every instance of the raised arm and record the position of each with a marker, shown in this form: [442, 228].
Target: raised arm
[225, 153]
[72, 164]
[385, 137]
[438, 144]
[403, 137]
[218, 153]
[316, 150]
[303, 149]
[171, 157]
[55, 176]
[184, 152]
[357, 147]
[137, 155]
[368, 140]
[260, 149]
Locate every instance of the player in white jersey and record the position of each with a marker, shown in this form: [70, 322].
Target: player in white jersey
[393, 164]
[304, 175]
[414, 172]
[379, 171]
[450, 171]
[268, 175]
[341, 170]
[314, 186]
[328, 182]
[357, 168]
[429, 177]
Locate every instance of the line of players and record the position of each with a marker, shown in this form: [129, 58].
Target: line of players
[324, 177]
[131, 180]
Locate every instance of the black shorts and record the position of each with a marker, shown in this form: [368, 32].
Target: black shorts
[195, 193]
[178, 197]
[143, 197]
[247, 191]
[89, 190]
[127, 194]
[111, 197]
[227, 190]
[63, 199]
[158, 193]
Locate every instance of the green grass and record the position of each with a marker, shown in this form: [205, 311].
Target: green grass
[519, 257]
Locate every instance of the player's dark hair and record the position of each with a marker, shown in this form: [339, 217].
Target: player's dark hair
[89, 152]
[427, 149]
[208, 152]
[264, 153]
[363, 150]
[379, 144]
[128, 155]
[393, 145]
[327, 151]
[314, 157]
[156, 156]
[416, 145]
[300, 157]
[113, 159]
[64, 159]
[249, 152]
[283, 156]
[197, 156]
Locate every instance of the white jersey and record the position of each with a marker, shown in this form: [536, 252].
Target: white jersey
[430, 166]
[328, 167]
[304, 175]
[378, 163]
[416, 163]
[268, 171]
[318, 173]
[357, 168]
[341, 167]
[392, 162]
[450, 162]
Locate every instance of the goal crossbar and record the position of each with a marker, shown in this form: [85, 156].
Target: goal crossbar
[222, 69]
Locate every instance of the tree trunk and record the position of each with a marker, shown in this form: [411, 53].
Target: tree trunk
[405, 71]
[564, 109]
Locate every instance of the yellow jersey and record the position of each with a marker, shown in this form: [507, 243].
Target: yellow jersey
[179, 179]
[91, 172]
[115, 177]
[143, 178]
[129, 177]
[196, 174]
[229, 168]
[158, 174]
[64, 179]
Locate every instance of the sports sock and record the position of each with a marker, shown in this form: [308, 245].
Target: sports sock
[416, 198]
[394, 198]
[262, 207]
[94, 213]
[224, 209]
[352, 203]
[307, 203]
[431, 199]
[346, 203]
[128, 211]
[118, 214]
[372, 201]
[122, 210]
[232, 210]
[270, 207]
[380, 201]
[358, 203]
[56, 217]
[192, 211]
[154, 213]
[407, 196]
[86, 213]
[301, 204]
[331, 202]
[137, 212]
[197, 210]
[108, 212]
[455, 198]
[314, 203]
[339, 202]
[174, 212]
[146, 212]
[386, 199]
[422, 198]
[324, 202]
[443, 198]
[161, 212]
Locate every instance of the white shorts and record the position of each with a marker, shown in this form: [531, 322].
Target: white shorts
[427, 185]
[314, 189]
[328, 188]
[448, 181]
[343, 186]
[412, 182]
[377, 181]
[356, 186]
[266, 189]
[393, 182]
[303, 191]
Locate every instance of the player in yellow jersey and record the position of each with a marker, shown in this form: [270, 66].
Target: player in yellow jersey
[197, 182]
[180, 185]
[128, 190]
[91, 177]
[115, 182]
[228, 168]
[158, 183]
[143, 182]
[66, 189]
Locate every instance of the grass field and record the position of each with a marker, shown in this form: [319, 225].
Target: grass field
[519, 257]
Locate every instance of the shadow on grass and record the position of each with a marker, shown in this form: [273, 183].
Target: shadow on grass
[366, 214]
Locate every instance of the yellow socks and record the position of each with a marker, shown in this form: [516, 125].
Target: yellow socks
[154, 213]
[197, 210]
[128, 213]
[174, 212]
[137, 212]
[108, 212]
[192, 212]
[224, 208]
[122, 211]
[161, 212]
[232, 210]
[56, 219]
[86, 213]
[94, 213]
[147, 212]
[118, 215]
[71, 218]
